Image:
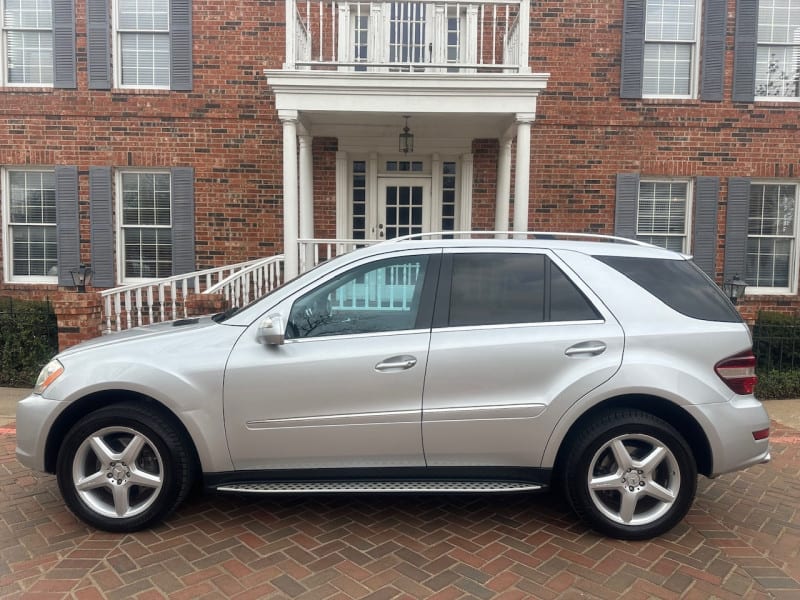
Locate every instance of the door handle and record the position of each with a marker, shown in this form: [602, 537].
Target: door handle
[592, 348]
[396, 363]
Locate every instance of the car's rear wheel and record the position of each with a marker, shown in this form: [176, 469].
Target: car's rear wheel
[630, 475]
[122, 469]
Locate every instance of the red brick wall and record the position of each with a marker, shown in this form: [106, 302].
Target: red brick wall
[227, 129]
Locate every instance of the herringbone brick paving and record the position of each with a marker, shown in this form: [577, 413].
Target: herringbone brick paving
[742, 539]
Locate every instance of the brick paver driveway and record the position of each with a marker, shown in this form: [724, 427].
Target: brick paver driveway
[742, 539]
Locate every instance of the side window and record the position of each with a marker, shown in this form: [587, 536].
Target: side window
[495, 289]
[377, 297]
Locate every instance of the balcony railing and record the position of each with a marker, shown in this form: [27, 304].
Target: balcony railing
[423, 36]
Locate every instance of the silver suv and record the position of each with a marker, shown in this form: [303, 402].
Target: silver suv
[611, 370]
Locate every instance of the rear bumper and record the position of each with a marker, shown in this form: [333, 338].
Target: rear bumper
[729, 427]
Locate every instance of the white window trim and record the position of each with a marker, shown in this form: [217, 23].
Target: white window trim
[753, 290]
[117, 52]
[5, 200]
[118, 226]
[687, 236]
[694, 85]
[4, 54]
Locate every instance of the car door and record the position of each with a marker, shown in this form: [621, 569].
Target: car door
[345, 388]
[515, 341]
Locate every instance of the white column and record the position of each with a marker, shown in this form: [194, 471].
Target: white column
[290, 194]
[306, 184]
[503, 199]
[343, 203]
[523, 172]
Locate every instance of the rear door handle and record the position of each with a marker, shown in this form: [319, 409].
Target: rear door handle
[396, 363]
[591, 348]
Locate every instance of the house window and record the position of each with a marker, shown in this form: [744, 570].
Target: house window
[771, 236]
[778, 54]
[29, 211]
[359, 200]
[145, 219]
[662, 214]
[27, 42]
[670, 47]
[360, 38]
[143, 43]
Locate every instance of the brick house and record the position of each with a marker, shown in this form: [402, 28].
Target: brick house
[154, 138]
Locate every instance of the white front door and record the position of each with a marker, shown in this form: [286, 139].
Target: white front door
[403, 206]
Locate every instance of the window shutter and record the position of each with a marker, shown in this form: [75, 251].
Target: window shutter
[736, 227]
[180, 39]
[67, 224]
[632, 49]
[714, 25]
[744, 51]
[64, 44]
[102, 228]
[182, 220]
[706, 200]
[625, 211]
[98, 48]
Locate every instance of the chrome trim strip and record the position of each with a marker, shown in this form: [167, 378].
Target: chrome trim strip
[486, 412]
[518, 325]
[378, 418]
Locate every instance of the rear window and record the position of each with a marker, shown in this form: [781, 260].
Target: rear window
[680, 284]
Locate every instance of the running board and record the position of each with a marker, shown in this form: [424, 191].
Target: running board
[394, 487]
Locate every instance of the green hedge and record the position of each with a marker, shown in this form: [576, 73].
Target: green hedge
[778, 384]
[776, 341]
[28, 339]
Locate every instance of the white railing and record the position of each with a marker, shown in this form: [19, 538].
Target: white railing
[161, 299]
[315, 251]
[426, 35]
[251, 283]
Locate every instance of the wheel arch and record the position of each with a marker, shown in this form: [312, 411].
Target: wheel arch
[668, 411]
[83, 406]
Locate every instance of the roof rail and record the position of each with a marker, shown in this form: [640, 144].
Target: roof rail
[542, 235]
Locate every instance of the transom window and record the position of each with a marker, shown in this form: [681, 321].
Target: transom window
[778, 57]
[146, 224]
[670, 47]
[27, 42]
[771, 236]
[662, 214]
[143, 43]
[30, 199]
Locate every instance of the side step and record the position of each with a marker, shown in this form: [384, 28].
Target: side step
[394, 487]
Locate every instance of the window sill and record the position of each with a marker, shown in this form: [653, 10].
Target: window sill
[141, 91]
[21, 89]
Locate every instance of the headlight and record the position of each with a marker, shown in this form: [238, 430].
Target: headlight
[48, 375]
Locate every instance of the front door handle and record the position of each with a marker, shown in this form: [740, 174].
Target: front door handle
[396, 363]
[592, 348]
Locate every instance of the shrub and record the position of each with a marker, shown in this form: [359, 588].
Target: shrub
[776, 341]
[778, 384]
[28, 339]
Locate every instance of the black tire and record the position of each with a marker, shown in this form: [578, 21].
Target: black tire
[123, 468]
[610, 483]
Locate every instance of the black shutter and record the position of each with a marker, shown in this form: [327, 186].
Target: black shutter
[713, 68]
[102, 228]
[706, 200]
[67, 223]
[182, 221]
[632, 49]
[180, 40]
[64, 72]
[736, 228]
[744, 52]
[98, 47]
[627, 203]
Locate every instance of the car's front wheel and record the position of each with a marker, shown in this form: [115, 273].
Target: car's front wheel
[122, 469]
[630, 474]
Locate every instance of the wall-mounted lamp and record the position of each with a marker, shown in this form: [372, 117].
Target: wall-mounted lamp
[81, 277]
[734, 288]
[406, 138]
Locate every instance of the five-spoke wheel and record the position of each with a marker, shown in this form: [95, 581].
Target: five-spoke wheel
[122, 468]
[630, 474]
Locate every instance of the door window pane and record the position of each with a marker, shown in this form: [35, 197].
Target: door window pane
[378, 297]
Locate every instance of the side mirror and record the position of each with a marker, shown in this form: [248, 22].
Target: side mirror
[270, 331]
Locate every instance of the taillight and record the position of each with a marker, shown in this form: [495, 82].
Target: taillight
[738, 372]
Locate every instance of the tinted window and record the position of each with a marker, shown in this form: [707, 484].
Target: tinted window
[493, 289]
[380, 296]
[679, 284]
[490, 289]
